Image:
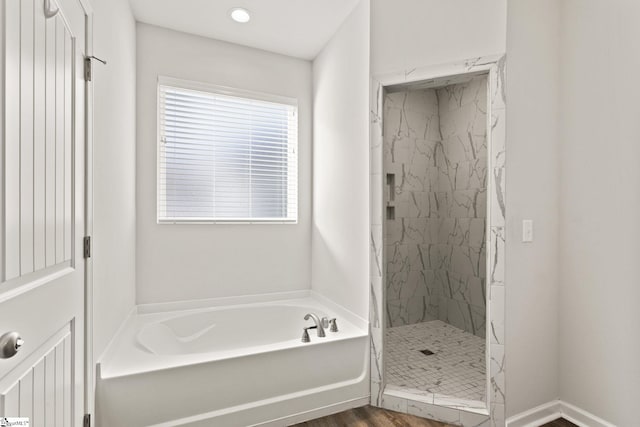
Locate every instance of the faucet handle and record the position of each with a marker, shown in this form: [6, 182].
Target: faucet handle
[305, 335]
[334, 325]
[325, 322]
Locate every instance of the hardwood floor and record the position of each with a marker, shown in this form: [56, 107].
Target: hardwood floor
[561, 422]
[368, 416]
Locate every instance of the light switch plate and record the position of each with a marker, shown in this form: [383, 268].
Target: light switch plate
[527, 231]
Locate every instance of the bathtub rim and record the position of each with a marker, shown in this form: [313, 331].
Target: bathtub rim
[359, 328]
[185, 305]
[352, 330]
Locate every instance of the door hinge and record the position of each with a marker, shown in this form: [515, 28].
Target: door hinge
[87, 246]
[88, 67]
[86, 421]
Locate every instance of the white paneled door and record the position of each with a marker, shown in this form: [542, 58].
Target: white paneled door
[42, 191]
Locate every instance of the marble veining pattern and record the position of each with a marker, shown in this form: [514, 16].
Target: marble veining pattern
[457, 367]
[493, 413]
[435, 163]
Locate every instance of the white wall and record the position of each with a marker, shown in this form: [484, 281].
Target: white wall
[114, 230]
[600, 232]
[182, 262]
[532, 271]
[340, 254]
[416, 33]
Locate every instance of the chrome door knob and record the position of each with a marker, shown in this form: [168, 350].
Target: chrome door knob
[10, 344]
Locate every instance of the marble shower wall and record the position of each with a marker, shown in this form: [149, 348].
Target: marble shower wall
[435, 160]
[411, 137]
[461, 161]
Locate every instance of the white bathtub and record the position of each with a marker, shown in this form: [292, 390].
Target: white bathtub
[235, 365]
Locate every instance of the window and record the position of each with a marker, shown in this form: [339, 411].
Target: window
[226, 155]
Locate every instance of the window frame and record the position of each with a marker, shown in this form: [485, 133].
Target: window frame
[228, 91]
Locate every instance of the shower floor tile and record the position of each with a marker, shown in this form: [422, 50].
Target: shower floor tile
[456, 368]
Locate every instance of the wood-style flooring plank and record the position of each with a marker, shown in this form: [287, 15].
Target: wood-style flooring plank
[560, 422]
[369, 416]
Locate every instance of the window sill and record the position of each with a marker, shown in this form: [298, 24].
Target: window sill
[198, 221]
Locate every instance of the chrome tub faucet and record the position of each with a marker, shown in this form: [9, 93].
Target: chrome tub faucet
[318, 323]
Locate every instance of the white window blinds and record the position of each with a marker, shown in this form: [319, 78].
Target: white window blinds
[226, 156]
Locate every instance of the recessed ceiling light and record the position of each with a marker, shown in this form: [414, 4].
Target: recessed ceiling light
[240, 15]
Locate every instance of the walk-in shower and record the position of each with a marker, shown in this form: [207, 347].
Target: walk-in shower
[435, 167]
[438, 241]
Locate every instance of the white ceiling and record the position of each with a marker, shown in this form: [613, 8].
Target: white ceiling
[297, 28]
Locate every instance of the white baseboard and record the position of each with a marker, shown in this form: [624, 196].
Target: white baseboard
[553, 410]
[581, 417]
[537, 416]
